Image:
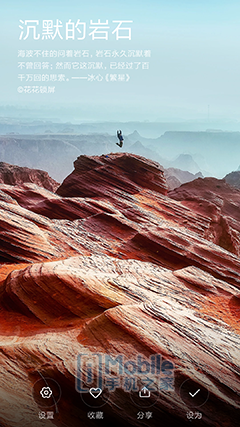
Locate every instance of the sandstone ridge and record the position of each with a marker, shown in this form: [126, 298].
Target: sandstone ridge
[129, 172]
[12, 175]
[111, 264]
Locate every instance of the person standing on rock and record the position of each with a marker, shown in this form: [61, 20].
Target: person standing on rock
[120, 137]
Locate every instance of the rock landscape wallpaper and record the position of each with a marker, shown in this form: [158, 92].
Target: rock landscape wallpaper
[120, 266]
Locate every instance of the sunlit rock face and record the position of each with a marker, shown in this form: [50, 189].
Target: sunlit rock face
[96, 176]
[112, 265]
[12, 174]
[220, 202]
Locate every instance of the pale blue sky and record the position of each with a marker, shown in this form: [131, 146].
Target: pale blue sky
[195, 59]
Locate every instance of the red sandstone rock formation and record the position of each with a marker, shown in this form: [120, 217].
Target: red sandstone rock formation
[176, 177]
[12, 175]
[94, 176]
[220, 203]
[112, 265]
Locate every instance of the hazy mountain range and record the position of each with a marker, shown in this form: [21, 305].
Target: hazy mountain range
[211, 153]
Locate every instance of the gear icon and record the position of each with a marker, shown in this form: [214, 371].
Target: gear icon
[46, 392]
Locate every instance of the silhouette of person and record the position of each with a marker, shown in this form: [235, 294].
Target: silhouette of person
[120, 137]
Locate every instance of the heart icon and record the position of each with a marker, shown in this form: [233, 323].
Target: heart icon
[95, 392]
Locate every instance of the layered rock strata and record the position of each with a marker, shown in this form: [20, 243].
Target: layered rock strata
[112, 265]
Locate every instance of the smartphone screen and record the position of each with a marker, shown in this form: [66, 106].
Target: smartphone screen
[119, 214]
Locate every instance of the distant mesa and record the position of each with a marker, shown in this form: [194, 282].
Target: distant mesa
[140, 149]
[179, 173]
[138, 145]
[185, 162]
[66, 130]
[208, 144]
[135, 136]
[214, 130]
[233, 179]
[176, 177]
[172, 181]
[12, 175]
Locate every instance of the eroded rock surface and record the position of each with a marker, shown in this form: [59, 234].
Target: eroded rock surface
[12, 175]
[114, 266]
[94, 176]
[218, 201]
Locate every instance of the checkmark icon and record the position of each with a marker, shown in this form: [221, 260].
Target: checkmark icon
[194, 394]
